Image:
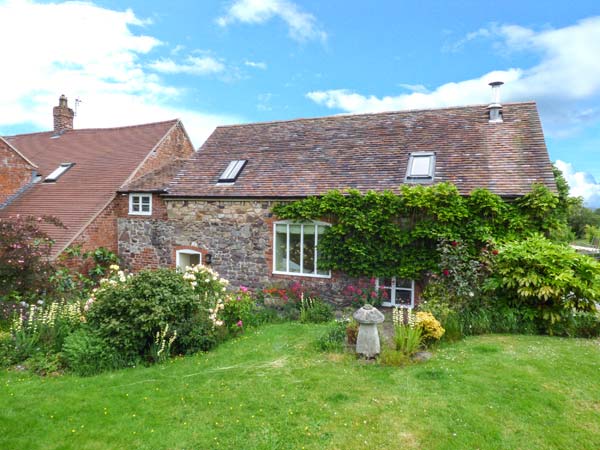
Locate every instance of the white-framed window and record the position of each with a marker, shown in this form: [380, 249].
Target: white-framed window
[397, 291]
[295, 248]
[187, 258]
[421, 166]
[140, 204]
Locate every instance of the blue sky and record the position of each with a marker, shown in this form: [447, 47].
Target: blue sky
[221, 62]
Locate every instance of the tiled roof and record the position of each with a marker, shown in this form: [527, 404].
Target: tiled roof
[157, 180]
[104, 160]
[370, 151]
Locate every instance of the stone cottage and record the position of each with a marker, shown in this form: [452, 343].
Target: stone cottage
[73, 174]
[215, 208]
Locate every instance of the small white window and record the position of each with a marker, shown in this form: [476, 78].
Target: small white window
[58, 172]
[187, 258]
[232, 171]
[421, 166]
[397, 292]
[295, 249]
[140, 204]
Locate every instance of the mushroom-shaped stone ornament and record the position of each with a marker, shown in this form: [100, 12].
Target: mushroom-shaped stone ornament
[367, 343]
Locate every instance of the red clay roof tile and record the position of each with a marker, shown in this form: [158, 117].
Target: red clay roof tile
[104, 159]
[370, 151]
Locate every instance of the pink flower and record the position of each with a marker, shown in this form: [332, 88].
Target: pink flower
[240, 323]
[446, 272]
[454, 243]
[243, 289]
[373, 294]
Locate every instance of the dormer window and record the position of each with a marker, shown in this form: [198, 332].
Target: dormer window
[55, 175]
[140, 204]
[233, 170]
[421, 166]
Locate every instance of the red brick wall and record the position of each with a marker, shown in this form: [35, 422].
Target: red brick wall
[15, 172]
[101, 232]
[175, 145]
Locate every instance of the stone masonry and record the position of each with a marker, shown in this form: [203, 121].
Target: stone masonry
[238, 235]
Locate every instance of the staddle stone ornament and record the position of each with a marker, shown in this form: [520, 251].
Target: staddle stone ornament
[367, 342]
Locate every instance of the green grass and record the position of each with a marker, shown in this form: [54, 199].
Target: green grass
[270, 389]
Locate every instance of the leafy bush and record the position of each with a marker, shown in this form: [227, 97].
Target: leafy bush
[128, 313]
[545, 281]
[45, 363]
[7, 349]
[25, 267]
[314, 310]
[334, 338]
[87, 354]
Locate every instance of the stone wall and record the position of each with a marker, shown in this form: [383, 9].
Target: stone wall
[238, 235]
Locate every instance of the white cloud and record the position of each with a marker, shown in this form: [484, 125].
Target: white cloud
[88, 52]
[256, 65]
[582, 184]
[449, 94]
[565, 82]
[302, 26]
[193, 65]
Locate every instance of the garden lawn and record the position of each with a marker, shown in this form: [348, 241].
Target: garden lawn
[271, 389]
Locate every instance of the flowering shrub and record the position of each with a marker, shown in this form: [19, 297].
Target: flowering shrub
[364, 292]
[43, 328]
[128, 311]
[237, 311]
[430, 327]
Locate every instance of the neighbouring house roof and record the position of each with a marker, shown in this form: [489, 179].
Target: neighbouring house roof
[157, 180]
[104, 160]
[304, 157]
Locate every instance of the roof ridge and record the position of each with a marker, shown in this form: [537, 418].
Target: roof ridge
[173, 121]
[402, 111]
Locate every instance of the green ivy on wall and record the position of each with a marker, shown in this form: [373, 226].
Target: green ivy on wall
[384, 234]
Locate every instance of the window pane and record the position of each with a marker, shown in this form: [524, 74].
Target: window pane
[194, 260]
[385, 283]
[295, 248]
[420, 165]
[280, 247]
[402, 297]
[320, 230]
[308, 263]
[401, 283]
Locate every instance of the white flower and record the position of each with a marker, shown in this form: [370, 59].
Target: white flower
[114, 267]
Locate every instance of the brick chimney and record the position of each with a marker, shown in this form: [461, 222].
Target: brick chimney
[63, 116]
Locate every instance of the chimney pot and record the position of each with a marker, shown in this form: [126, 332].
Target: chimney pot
[495, 108]
[63, 116]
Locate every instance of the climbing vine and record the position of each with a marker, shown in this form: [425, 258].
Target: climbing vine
[384, 234]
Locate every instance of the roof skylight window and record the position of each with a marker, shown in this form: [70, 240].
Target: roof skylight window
[233, 171]
[421, 166]
[58, 172]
